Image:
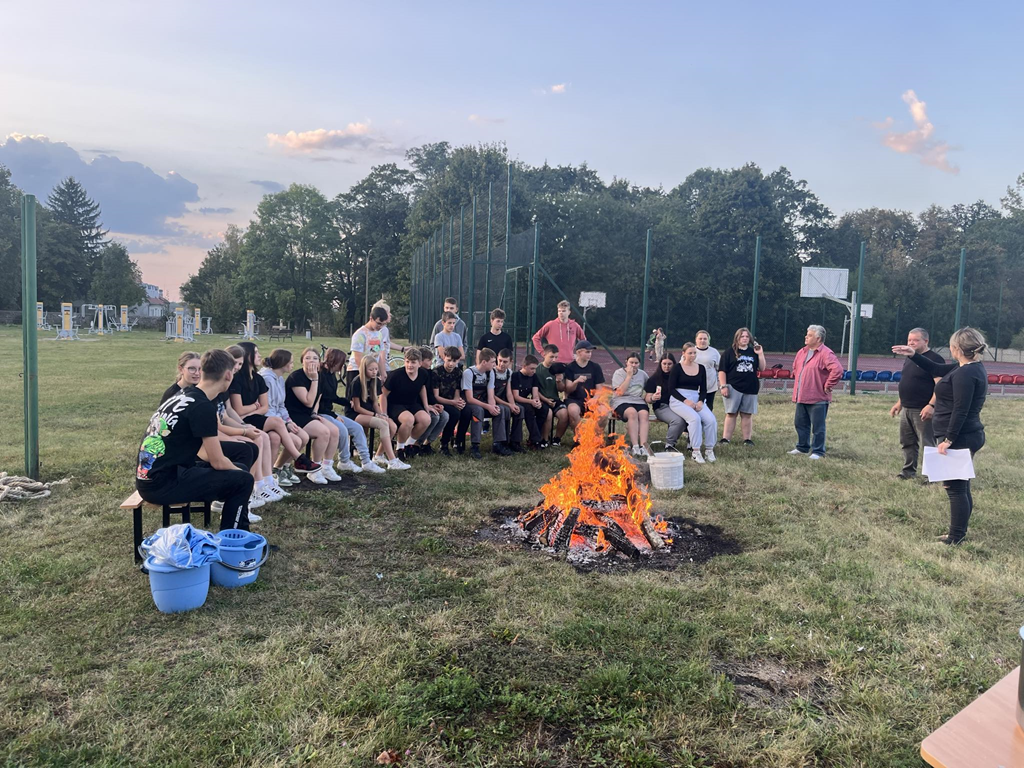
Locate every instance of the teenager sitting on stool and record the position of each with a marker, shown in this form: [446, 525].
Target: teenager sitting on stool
[404, 399]
[293, 437]
[446, 384]
[168, 469]
[348, 429]
[366, 409]
[436, 411]
[301, 398]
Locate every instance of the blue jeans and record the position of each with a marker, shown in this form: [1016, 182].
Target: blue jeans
[349, 428]
[810, 427]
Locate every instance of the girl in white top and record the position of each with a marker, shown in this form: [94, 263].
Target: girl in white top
[710, 358]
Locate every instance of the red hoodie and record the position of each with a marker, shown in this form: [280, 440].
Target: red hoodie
[817, 377]
[562, 335]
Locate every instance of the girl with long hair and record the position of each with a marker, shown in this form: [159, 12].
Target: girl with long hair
[738, 383]
[348, 429]
[302, 398]
[365, 409]
[291, 460]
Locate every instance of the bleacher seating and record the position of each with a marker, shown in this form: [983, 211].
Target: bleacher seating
[867, 375]
[897, 376]
[1005, 378]
[993, 378]
[1018, 380]
[884, 376]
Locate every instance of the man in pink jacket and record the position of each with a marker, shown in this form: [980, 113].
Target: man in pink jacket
[816, 370]
[562, 332]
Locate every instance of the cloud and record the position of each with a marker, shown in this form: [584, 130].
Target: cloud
[132, 197]
[216, 211]
[560, 88]
[268, 186]
[481, 120]
[354, 136]
[921, 141]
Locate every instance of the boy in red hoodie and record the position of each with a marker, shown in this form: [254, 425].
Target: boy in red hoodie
[562, 332]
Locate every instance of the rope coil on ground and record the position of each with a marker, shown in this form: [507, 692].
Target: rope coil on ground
[18, 488]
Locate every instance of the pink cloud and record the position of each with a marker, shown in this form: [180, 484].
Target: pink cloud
[921, 140]
[353, 135]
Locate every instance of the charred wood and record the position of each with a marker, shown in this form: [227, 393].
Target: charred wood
[565, 532]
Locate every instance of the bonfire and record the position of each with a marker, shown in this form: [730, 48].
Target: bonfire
[597, 503]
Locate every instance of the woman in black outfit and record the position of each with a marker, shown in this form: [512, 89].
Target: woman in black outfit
[958, 400]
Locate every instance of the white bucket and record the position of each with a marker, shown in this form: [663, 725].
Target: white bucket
[666, 470]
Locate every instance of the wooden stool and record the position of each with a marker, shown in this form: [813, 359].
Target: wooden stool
[136, 504]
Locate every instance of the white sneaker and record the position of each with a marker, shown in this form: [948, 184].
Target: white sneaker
[295, 479]
[256, 501]
[796, 452]
[817, 456]
[217, 506]
[381, 459]
[277, 487]
[253, 517]
[697, 457]
[327, 470]
[317, 477]
[637, 451]
[282, 477]
[709, 455]
[372, 467]
[348, 466]
[269, 494]
[398, 464]
[644, 454]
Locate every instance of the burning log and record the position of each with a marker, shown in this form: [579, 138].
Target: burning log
[652, 535]
[618, 539]
[532, 523]
[561, 541]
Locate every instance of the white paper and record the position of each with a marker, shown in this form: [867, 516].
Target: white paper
[955, 465]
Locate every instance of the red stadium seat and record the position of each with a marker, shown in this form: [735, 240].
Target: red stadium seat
[785, 373]
[1005, 378]
[767, 373]
[993, 378]
[1018, 379]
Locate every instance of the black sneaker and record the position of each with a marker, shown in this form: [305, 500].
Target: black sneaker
[474, 452]
[303, 464]
[748, 442]
[544, 445]
[412, 450]
[724, 441]
[460, 448]
[401, 454]
[501, 450]
[445, 451]
[557, 441]
[516, 448]
[905, 476]
[425, 450]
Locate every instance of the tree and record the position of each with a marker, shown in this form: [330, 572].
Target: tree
[61, 272]
[10, 242]
[70, 204]
[118, 279]
[214, 286]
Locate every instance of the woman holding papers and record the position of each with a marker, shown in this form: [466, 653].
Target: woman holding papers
[959, 396]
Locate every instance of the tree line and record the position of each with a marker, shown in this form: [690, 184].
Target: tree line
[313, 260]
[75, 260]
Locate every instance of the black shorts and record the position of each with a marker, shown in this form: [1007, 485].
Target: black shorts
[397, 408]
[301, 419]
[256, 419]
[620, 410]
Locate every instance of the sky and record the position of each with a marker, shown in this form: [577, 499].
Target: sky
[178, 117]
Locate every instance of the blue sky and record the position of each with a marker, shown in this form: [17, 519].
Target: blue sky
[650, 92]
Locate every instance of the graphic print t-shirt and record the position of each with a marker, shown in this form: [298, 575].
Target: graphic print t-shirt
[478, 382]
[546, 383]
[590, 375]
[741, 370]
[175, 433]
[447, 383]
[367, 342]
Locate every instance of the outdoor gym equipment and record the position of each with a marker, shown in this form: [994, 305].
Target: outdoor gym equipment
[41, 323]
[251, 329]
[68, 330]
[104, 321]
[180, 327]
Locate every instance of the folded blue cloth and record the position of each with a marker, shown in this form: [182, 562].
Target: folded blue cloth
[183, 546]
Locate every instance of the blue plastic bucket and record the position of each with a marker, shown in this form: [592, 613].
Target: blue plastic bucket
[178, 589]
[242, 553]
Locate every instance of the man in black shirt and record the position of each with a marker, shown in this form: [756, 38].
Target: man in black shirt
[525, 393]
[913, 405]
[168, 471]
[495, 339]
[581, 379]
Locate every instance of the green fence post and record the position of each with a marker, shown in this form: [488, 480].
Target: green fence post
[451, 252]
[472, 282]
[753, 300]
[487, 270]
[999, 319]
[855, 326]
[785, 326]
[508, 223]
[960, 288]
[30, 334]
[643, 316]
[462, 228]
[535, 276]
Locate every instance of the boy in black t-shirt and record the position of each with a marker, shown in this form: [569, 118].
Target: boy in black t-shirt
[525, 391]
[168, 471]
[404, 399]
[446, 387]
[495, 339]
[478, 388]
[438, 415]
[581, 379]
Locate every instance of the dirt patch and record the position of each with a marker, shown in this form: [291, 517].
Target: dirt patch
[692, 543]
[772, 684]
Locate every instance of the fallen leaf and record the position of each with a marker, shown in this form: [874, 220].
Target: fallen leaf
[388, 757]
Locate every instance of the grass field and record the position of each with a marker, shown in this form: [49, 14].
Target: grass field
[841, 635]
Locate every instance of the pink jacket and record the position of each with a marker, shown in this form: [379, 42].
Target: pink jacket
[562, 335]
[817, 377]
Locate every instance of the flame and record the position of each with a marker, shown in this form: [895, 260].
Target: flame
[598, 471]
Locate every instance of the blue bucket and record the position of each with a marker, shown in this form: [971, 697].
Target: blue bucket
[178, 589]
[242, 553]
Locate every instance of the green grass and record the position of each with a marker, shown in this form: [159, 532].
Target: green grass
[384, 623]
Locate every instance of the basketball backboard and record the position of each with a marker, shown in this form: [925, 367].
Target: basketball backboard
[592, 299]
[824, 282]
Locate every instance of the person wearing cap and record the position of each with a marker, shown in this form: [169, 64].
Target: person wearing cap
[581, 379]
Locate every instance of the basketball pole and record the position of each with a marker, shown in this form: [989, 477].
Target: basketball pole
[855, 325]
[647, 280]
[753, 300]
[960, 288]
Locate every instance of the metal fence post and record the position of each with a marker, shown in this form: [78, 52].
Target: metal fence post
[960, 288]
[30, 334]
[487, 270]
[472, 280]
[535, 270]
[643, 316]
[855, 325]
[462, 227]
[753, 300]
